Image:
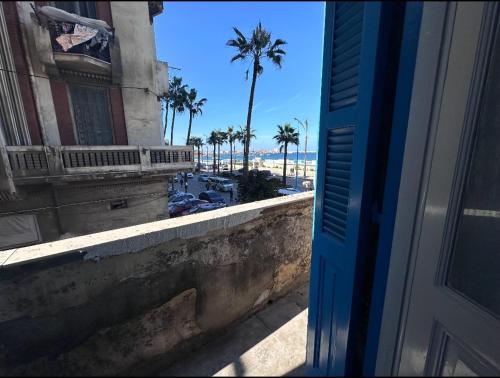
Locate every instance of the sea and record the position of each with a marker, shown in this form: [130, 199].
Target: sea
[292, 156]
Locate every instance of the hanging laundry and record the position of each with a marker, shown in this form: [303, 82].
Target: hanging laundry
[80, 35]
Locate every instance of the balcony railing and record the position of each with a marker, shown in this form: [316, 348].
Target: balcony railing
[34, 162]
[57, 28]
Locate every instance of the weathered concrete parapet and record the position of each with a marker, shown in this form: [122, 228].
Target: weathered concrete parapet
[120, 300]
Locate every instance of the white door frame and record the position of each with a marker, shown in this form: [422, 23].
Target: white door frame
[430, 73]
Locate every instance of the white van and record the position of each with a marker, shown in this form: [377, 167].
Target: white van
[222, 184]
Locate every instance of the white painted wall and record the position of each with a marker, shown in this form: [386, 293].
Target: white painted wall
[138, 55]
[38, 51]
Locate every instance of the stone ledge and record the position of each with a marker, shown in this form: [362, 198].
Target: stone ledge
[136, 238]
[124, 300]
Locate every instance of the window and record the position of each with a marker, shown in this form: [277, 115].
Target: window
[91, 114]
[82, 8]
[18, 230]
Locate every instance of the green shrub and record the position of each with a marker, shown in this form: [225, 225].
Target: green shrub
[256, 187]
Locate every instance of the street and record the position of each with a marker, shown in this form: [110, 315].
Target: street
[196, 187]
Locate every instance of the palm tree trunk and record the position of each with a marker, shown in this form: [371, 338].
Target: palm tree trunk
[199, 165]
[189, 128]
[172, 129]
[218, 160]
[166, 121]
[231, 157]
[213, 163]
[187, 144]
[284, 164]
[246, 149]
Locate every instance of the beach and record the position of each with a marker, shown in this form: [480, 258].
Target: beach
[270, 161]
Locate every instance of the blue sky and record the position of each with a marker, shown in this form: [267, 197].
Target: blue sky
[192, 36]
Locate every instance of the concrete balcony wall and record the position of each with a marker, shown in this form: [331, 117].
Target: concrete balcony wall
[129, 300]
[35, 164]
[143, 114]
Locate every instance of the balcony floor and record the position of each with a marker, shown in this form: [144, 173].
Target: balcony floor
[270, 343]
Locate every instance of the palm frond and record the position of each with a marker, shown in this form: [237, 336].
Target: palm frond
[279, 51]
[279, 42]
[240, 34]
[277, 59]
[236, 57]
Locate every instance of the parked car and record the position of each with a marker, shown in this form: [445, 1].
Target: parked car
[204, 207]
[225, 167]
[221, 183]
[189, 175]
[203, 177]
[172, 192]
[181, 197]
[211, 196]
[288, 191]
[179, 208]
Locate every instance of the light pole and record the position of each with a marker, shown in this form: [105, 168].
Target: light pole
[305, 125]
[297, 164]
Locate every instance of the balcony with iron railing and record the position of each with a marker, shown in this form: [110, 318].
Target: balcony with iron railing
[31, 164]
[89, 56]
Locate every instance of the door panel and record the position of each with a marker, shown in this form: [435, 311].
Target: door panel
[355, 82]
[91, 114]
[452, 326]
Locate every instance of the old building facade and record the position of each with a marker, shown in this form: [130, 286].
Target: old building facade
[81, 147]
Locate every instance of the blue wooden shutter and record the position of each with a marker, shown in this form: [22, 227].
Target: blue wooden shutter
[350, 105]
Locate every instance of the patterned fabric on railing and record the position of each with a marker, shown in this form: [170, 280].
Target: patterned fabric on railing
[58, 28]
[27, 161]
[76, 159]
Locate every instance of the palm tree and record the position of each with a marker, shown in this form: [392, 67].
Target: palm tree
[198, 143]
[212, 140]
[286, 135]
[231, 138]
[221, 139]
[194, 108]
[238, 136]
[252, 136]
[166, 101]
[305, 125]
[244, 137]
[177, 96]
[258, 47]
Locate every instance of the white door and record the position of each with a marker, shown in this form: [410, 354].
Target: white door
[451, 312]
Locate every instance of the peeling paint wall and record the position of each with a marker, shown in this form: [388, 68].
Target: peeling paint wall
[138, 57]
[127, 300]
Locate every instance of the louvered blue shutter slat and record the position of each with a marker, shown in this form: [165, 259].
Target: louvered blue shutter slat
[350, 66]
[348, 24]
